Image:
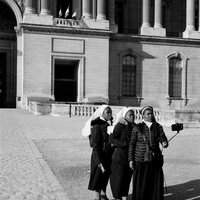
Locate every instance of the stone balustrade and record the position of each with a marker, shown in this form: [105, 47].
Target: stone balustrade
[66, 22]
[85, 110]
[190, 119]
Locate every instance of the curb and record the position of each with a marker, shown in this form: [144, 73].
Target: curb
[45, 168]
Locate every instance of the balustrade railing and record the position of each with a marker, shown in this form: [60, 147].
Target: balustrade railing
[76, 109]
[83, 110]
[88, 110]
[66, 22]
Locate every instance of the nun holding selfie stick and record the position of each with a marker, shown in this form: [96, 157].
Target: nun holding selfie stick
[145, 157]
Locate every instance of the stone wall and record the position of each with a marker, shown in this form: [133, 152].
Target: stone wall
[152, 72]
[42, 47]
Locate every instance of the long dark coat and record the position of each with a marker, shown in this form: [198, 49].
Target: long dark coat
[121, 173]
[148, 178]
[101, 153]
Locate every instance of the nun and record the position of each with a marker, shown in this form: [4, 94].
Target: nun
[146, 157]
[96, 128]
[121, 173]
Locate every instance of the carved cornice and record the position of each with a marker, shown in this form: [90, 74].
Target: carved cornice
[52, 30]
[155, 40]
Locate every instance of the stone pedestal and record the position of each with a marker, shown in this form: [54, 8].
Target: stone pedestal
[191, 34]
[96, 24]
[150, 31]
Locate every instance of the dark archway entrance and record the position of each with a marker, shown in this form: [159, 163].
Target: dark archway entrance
[65, 80]
[8, 49]
[2, 80]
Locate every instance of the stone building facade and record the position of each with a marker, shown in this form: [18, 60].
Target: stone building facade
[122, 52]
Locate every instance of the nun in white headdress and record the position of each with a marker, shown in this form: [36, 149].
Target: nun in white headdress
[96, 128]
[121, 173]
[86, 131]
[145, 157]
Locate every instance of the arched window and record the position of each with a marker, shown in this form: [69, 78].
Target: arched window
[175, 78]
[177, 64]
[129, 76]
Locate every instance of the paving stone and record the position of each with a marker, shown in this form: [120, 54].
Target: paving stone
[25, 173]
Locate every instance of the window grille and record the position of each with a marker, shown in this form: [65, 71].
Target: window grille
[175, 78]
[129, 76]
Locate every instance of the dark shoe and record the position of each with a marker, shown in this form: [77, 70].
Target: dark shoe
[104, 197]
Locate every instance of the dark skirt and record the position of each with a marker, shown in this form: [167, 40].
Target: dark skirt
[120, 179]
[148, 182]
[99, 180]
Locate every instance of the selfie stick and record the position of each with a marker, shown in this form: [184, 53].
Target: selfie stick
[168, 141]
[176, 127]
[173, 136]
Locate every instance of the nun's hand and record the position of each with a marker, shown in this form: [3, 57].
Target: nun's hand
[101, 167]
[131, 165]
[165, 144]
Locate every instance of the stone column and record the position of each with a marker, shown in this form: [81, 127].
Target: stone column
[101, 9]
[190, 15]
[190, 31]
[30, 7]
[158, 14]
[45, 7]
[87, 9]
[146, 13]
[146, 28]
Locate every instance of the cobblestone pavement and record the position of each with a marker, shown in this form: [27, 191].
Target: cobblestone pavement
[23, 172]
[45, 157]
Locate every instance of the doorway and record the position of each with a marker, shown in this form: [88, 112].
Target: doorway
[2, 80]
[65, 80]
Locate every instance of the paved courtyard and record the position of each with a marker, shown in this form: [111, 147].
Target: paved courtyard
[45, 157]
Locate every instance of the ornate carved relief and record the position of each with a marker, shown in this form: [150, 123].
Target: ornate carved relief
[21, 4]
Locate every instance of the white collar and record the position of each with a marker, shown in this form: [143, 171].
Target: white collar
[148, 123]
[102, 118]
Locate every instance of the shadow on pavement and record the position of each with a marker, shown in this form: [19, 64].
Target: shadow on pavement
[185, 191]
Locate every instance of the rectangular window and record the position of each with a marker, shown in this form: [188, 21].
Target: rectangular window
[128, 76]
[175, 78]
